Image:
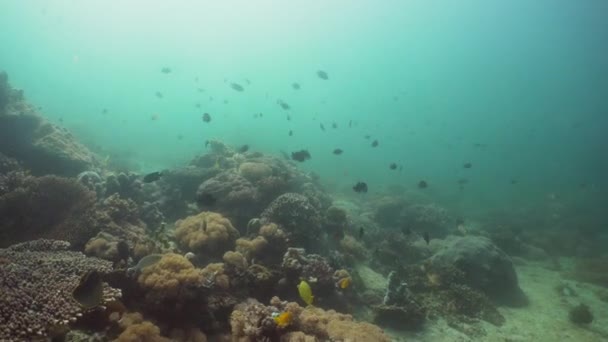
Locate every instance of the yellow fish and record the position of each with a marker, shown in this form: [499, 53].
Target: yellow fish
[284, 319]
[305, 292]
[344, 283]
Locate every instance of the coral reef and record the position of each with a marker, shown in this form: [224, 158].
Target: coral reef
[207, 233]
[252, 320]
[46, 207]
[485, 266]
[233, 196]
[39, 145]
[36, 283]
[297, 217]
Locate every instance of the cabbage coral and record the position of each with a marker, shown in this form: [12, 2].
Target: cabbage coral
[206, 233]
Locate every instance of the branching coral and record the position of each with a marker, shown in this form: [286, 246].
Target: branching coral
[206, 233]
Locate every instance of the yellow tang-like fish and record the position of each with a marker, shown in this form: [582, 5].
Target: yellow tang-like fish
[305, 292]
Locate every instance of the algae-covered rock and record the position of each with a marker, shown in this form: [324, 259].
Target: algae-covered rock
[486, 268]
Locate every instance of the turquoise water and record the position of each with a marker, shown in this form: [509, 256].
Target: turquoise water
[517, 88]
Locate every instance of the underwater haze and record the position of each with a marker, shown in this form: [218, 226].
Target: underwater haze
[516, 88]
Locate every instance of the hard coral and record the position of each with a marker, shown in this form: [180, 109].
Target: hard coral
[36, 284]
[255, 171]
[296, 216]
[206, 233]
[336, 326]
[44, 207]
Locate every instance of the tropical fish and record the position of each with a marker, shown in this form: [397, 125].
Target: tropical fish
[426, 237]
[283, 105]
[467, 165]
[146, 261]
[423, 184]
[89, 292]
[392, 166]
[236, 87]
[300, 156]
[361, 232]
[322, 75]
[338, 151]
[375, 143]
[295, 85]
[305, 292]
[283, 319]
[344, 283]
[243, 149]
[165, 70]
[152, 177]
[206, 117]
[360, 187]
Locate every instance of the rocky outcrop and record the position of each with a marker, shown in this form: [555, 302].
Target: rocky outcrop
[486, 268]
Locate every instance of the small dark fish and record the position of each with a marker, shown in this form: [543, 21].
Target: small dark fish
[165, 70]
[247, 81]
[283, 105]
[89, 292]
[322, 75]
[152, 177]
[367, 137]
[159, 94]
[104, 111]
[338, 151]
[513, 181]
[426, 237]
[334, 125]
[322, 127]
[350, 123]
[200, 90]
[225, 101]
[406, 231]
[361, 232]
[423, 184]
[295, 86]
[180, 137]
[61, 120]
[236, 87]
[206, 199]
[300, 156]
[360, 187]
[467, 165]
[463, 181]
[392, 166]
[206, 117]
[480, 145]
[288, 117]
[243, 149]
[290, 133]
[123, 250]
[197, 105]
[375, 143]
[207, 143]
[261, 115]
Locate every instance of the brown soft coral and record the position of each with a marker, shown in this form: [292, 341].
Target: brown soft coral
[207, 233]
[171, 276]
[338, 327]
[145, 331]
[251, 248]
